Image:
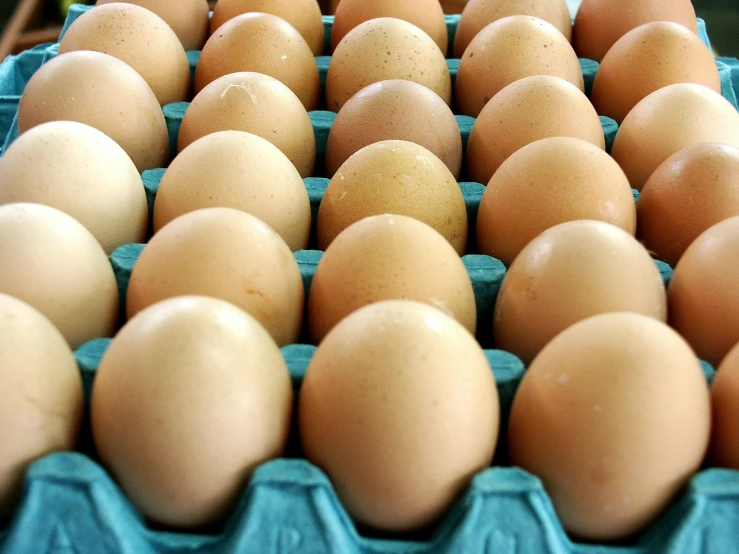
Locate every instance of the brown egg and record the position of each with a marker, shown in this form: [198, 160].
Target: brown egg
[646, 59]
[226, 254]
[525, 111]
[238, 170]
[52, 262]
[725, 412]
[187, 18]
[395, 110]
[303, 15]
[692, 190]
[138, 37]
[392, 386]
[40, 395]
[547, 182]
[257, 104]
[103, 92]
[614, 417]
[703, 296]
[394, 177]
[262, 43]
[77, 169]
[388, 257]
[382, 49]
[600, 23]
[571, 272]
[427, 15]
[189, 398]
[478, 14]
[508, 50]
[453, 6]
[669, 120]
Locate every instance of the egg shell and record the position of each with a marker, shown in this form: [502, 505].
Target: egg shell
[724, 451]
[103, 92]
[381, 49]
[396, 177]
[304, 15]
[261, 43]
[508, 50]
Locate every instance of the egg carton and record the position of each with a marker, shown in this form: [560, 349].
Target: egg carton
[70, 504]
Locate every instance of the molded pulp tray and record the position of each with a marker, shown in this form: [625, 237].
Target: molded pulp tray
[70, 504]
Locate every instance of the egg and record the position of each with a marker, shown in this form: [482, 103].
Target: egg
[227, 254]
[600, 23]
[398, 433]
[523, 112]
[382, 49]
[478, 14]
[262, 43]
[427, 15]
[303, 15]
[53, 263]
[103, 92]
[189, 398]
[547, 182]
[453, 6]
[387, 257]
[238, 170]
[646, 59]
[614, 417]
[398, 110]
[668, 120]
[257, 104]
[508, 50]
[187, 18]
[571, 272]
[689, 192]
[398, 177]
[138, 37]
[703, 297]
[77, 169]
[40, 395]
[724, 403]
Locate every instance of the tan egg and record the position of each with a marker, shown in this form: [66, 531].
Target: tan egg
[508, 50]
[77, 169]
[669, 120]
[394, 177]
[40, 395]
[478, 14]
[257, 104]
[525, 111]
[646, 59]
[691, 191]
[227, 254]
[548, 182]
[189, 398]
[53, 263]
[703, 297]
[387, 257]
[238, 170]
[399, 110]
[614, 417]
[138, 37]
[427, 15]
[725, 412]
[392, 386]
[304, 15]
[103, 92]
[187, 18]
[600, 23]
[382, 49]
[571, 272]
[262, 43]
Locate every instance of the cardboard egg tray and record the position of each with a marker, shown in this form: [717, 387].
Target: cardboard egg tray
[70, 504]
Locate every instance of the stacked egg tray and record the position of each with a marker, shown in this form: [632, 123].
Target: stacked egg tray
[70, 504]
